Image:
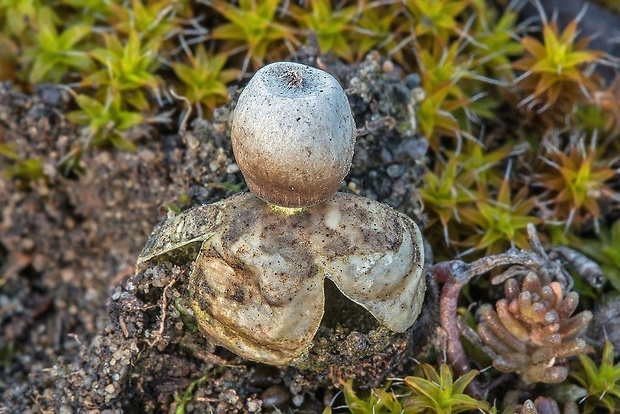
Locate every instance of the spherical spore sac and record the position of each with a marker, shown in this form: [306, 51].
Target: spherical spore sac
[293, 134]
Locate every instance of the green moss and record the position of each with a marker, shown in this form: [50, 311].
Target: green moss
[602, 382]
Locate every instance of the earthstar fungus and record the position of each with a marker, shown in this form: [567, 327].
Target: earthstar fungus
[257, 283]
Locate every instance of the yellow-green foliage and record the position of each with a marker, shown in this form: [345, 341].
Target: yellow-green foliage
[204, 78]
[153, 20]
[253, 26]
[436, 19]
[15, 14]
[25, 170]
[106, 120]
[95, 10]
[331, 26]
[55, 53]
[445, 193]
[127, 69]
[495, 42]
[373, 30]
[438, 393]
[441, 70]
[380, 400]
[499, 221]
[429, 392]
[602, 382]
[470, 200]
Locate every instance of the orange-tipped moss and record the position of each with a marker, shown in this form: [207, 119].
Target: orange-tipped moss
[555, 76]
[577, 185]
[608, 100]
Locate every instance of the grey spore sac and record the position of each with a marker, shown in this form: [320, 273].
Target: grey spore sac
[293, 134]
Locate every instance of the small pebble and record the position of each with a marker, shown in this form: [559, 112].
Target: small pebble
[254, 406]
[412, 80]
[418, 95]
[232, 168]
[413, 148]
[400, 93]
[298, 400]
[388, 66]
[275, 396]
[386, 156]
[51, 96]
[395, 170]
[263, 376]
[230, 396]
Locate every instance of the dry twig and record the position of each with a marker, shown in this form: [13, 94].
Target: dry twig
[164, 305]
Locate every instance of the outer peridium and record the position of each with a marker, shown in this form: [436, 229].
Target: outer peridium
[257, 286]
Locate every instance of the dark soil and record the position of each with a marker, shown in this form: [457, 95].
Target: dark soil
[79, 332]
